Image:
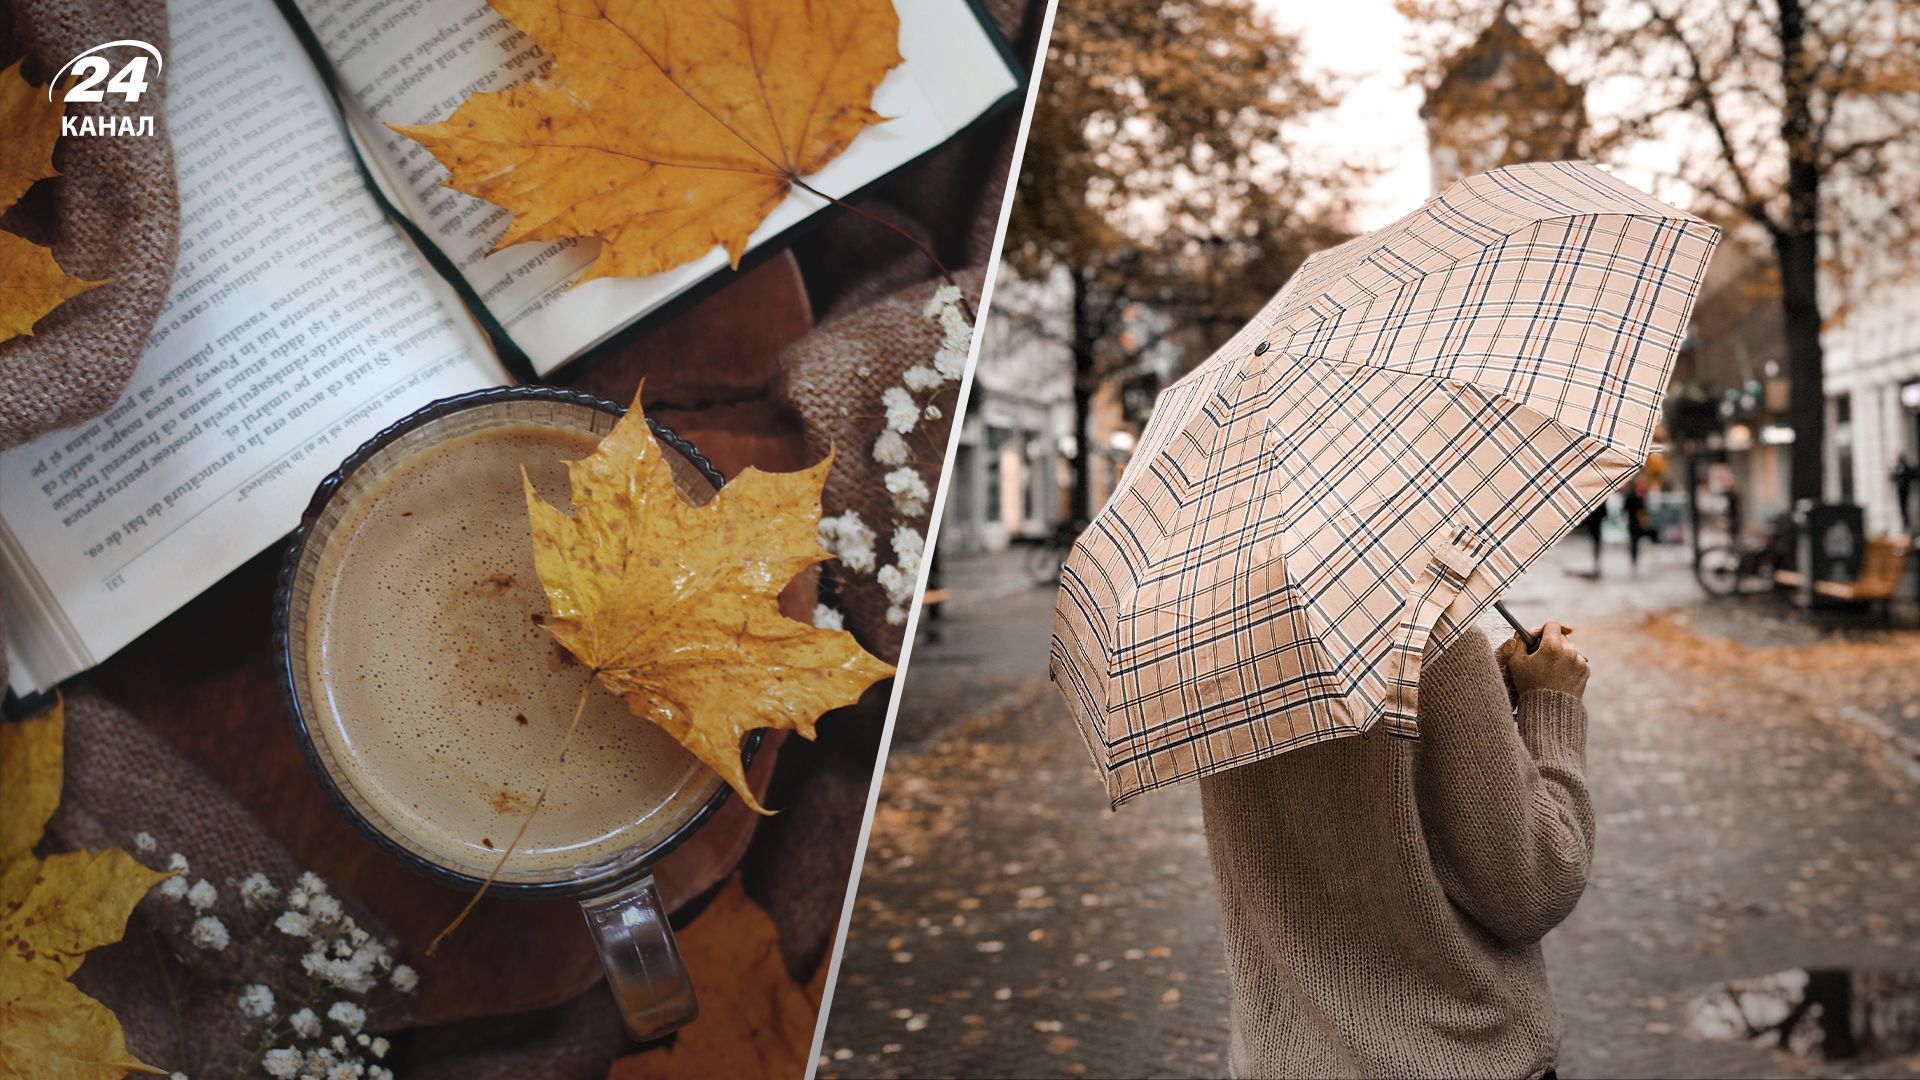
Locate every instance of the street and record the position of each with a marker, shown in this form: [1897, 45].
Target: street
[1749, 769]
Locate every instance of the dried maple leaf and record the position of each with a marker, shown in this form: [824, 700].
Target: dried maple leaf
[666, 128]
[676, 608]
[52, 911]
[31, 283]
[755, 1021]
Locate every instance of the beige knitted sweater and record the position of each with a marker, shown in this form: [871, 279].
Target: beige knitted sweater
[1383, 899]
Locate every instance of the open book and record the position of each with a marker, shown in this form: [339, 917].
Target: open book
[302, 319]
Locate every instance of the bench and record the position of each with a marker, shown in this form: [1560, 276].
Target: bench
[1882, 563]
[930, 602]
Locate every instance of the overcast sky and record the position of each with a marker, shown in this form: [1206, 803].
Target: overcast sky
[1364, 42]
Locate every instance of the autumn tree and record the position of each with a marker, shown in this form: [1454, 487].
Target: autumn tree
[1159, 171]
[1799, 118]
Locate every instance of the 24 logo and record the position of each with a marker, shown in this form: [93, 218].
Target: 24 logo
[90, 71]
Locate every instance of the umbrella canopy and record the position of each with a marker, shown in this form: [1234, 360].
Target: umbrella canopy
[1371, 461]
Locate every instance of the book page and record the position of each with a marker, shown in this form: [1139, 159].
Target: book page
[407, 62]
[300, 322]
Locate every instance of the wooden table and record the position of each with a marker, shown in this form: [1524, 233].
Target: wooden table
[204, 678]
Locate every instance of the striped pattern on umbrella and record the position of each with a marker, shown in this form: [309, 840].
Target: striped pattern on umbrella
[1366, 465]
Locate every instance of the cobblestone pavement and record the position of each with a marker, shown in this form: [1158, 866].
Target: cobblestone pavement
[1008, 924]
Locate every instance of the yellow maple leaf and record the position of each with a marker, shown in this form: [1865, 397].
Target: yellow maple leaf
[676, 607]
[52, 911]
[666, 128]
[758, 1022]
[31, 283]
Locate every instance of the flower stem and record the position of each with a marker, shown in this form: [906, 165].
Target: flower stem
[173, 999]
[545, 783]
[869, 215]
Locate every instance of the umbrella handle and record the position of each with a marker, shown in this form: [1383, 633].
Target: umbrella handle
[1532, 639]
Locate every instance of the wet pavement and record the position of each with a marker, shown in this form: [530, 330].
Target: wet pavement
[1757, 815]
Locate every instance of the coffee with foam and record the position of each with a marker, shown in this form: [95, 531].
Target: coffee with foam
[443, 698]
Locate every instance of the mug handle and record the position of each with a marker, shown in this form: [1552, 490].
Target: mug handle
[643, 964]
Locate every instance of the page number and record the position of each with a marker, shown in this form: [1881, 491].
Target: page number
[90, 70]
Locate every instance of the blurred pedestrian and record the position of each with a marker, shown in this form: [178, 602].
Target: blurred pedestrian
[1639, 520]
[1905, 478]
[1592, 524]
[1383, 899]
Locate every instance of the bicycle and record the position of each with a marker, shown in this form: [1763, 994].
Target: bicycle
[1739, 567]
[1047, 555]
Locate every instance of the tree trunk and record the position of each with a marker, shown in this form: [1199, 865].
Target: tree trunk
[1080, 507]
[1807, 402]
[1797, 244]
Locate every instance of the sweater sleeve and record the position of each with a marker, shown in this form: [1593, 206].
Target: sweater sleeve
[1504, 805]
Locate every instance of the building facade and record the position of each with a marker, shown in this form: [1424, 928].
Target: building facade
[1873, 405]
[1010, 470]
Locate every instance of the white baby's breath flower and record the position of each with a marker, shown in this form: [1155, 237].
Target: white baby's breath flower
[177, 863]
[324, 908]
[343, 948]
[850, 540]
[282, 1063]
[347, 1015]
[945, 296]
[896, 615]
[950, 363]
[898, 583]
[256, 1001]
[210, 933]
[297, 898]
[305, 1024]
[379, 1047]
[922, 378]
[379, 1072]
[293, 924]
[355, 934]
[347, 1070]
[934, 413]
[890, 448]
[257, 891]
[957, 331]
[203, 895]
[347, 974]
[908, 546]
[339, 1044]
[902, 411]
[404, 979]
[826, 618]
[144, 841]
[174, 888]
[319, 1061]
[909, 492]
[313, 883]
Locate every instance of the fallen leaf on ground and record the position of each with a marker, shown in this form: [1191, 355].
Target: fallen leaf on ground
[666, 129]
[754, 1019]
[52, 912]
[31, 283]
[675, 607]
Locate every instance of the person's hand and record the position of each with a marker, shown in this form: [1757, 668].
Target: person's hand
[1555, 665]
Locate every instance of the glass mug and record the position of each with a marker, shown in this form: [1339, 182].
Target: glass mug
[617, 894]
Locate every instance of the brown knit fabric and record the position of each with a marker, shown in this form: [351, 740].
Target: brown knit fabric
[833, 378]
[1383, 900]
[120, 779]
[113, 213]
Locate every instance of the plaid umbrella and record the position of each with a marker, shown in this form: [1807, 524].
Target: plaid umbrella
[1371, 461]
